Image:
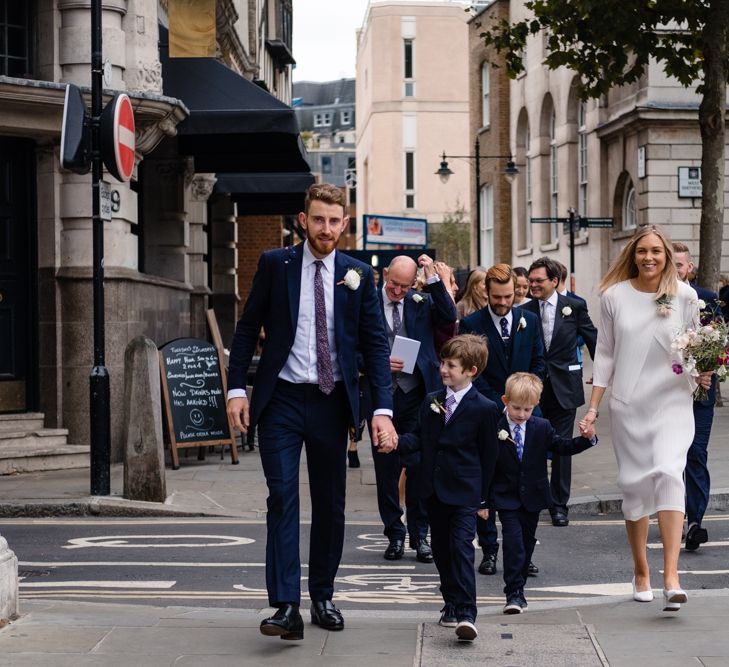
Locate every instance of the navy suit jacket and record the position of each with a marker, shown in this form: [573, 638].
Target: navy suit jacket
[525, 483]
[526, 350]
[562, 353]
[456, 459]
[435, 308]
[274, 304]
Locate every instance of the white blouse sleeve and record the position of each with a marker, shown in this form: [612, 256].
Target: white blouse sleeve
[604, 366]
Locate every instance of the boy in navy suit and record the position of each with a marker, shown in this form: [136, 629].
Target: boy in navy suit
[520, 488]
[456, 439]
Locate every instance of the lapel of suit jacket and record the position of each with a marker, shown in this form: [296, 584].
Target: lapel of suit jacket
[292, 265]
[462, 405]
[410, 314]
[531, 427]
[561, 303]
[503, 424]
[341, 295]
[496, 344]
[517, 334]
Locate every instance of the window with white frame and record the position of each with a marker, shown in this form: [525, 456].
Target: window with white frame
[629, 209]
[409, 179]
[582, 160]
[346, 117]
[485, 94]
[323, 119]
[486, 233]
[553, 182]
[408, 68]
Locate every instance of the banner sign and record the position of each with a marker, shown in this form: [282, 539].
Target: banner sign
[390, 230]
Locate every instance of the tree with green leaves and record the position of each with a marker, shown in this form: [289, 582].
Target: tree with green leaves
[610, 43]
[452, 238]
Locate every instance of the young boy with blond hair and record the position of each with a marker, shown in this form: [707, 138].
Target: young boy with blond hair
[520, 487]
[456, 439]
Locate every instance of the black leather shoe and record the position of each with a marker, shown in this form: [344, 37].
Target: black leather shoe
[395, 550]
[448, 616]
[423, 552]
[560, 519]
[695, 537]
[532, 570]
[326, 615]
[353, 458]
[285, 623]
[488, 564]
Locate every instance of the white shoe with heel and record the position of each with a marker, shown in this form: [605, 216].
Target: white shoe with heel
[642, 596]
[673, 599]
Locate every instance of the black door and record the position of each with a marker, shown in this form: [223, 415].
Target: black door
[17, 274]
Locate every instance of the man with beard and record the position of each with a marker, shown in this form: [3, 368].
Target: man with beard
[318, 308]
[515, 345]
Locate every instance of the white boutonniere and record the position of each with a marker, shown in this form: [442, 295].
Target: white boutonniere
[522, 324]
[566, 311]
[702, 304]
[504, 435]
[436, 406]
[665, 305]
[352, 279]
[417, 298]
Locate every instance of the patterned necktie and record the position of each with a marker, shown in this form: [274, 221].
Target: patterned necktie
[518, 441]
[545, 324]
[323, 354]
[504, 331]
[396, 321]
[449, 407]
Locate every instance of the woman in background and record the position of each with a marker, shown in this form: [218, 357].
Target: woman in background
[474, 296]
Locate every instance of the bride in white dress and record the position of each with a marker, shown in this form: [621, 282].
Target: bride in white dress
[643, 305]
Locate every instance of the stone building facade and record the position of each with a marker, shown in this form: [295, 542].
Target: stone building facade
[171, 249]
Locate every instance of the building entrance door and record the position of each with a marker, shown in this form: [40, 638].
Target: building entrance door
[17, 275]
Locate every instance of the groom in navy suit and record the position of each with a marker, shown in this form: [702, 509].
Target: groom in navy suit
[515, 344]
[318, 308]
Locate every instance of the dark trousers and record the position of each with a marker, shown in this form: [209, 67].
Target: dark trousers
[697, 471]
[563, 421]
[488, 535]
[452, 529]
[387, 475]
[518, 537]
[296, 414]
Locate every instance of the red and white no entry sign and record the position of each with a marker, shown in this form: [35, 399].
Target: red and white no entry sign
[117, 137]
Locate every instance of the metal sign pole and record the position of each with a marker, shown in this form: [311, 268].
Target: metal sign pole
[571, 211]
[99, 379]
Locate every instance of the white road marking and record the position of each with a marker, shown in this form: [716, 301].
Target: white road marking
[658, 545]
[121, 563]
[130, 541]
[97, 584]
[587, 589]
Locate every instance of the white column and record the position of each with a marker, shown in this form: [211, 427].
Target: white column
[8, 582]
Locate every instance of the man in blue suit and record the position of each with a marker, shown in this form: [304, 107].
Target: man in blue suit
[318, 308]
[697, 471]
[413, 315]
[515, 344]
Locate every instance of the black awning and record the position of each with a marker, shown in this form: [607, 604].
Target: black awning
[234, 125]
[252, 192]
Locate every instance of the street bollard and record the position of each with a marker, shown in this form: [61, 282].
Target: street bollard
[8, 583]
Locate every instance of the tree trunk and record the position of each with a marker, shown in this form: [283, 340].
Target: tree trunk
[712, 114]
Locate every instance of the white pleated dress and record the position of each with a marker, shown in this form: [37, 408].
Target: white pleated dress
[651, 408]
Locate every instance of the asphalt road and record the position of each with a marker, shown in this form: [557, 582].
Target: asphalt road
[220, 562]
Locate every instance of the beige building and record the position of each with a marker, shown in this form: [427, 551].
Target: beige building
[618, 157]
[412, 105]
[172, 247]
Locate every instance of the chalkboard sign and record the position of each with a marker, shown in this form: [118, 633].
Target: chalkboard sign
[194, 394]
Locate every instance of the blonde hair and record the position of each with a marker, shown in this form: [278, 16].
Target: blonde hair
[469, 349]
[625, 268]
[471, 300]
[523, 388]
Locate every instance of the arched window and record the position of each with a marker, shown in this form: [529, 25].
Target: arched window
[629, 208]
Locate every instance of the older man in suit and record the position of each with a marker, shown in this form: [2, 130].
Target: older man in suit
[563, 319]
[415, 315]
[515, 344]
[318, 308]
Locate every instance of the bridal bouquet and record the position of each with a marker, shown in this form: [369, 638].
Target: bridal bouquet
[705, 348]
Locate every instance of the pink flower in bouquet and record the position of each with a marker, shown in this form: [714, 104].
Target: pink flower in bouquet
[677, 368]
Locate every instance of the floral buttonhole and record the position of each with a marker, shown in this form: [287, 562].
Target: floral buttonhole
[417, 298]
[566, 311]
[504, 435]
[437, 407]
[522, 324]
[664, 305]
[352, 279]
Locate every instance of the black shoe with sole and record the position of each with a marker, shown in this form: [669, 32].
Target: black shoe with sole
[423, 552]
[488, 564]
[326, 615]
[395, 550]
[532, 570]
[285, 623]
[695, 537]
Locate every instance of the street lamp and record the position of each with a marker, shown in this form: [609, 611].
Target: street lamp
[510, 172]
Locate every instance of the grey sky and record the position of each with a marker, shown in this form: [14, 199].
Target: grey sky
[324, 40]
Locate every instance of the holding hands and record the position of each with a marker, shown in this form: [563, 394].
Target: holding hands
[587, 424]
[383, 434]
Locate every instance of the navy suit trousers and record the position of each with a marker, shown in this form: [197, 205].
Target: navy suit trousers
[452, 530]
[387, 475]
[697, 471]
[296, 414]
[518, 537]
[563, 421]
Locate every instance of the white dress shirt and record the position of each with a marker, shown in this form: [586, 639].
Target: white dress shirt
[522, 427]
[497, 320]
[551, 312]
[458, 395]
[389, 308]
